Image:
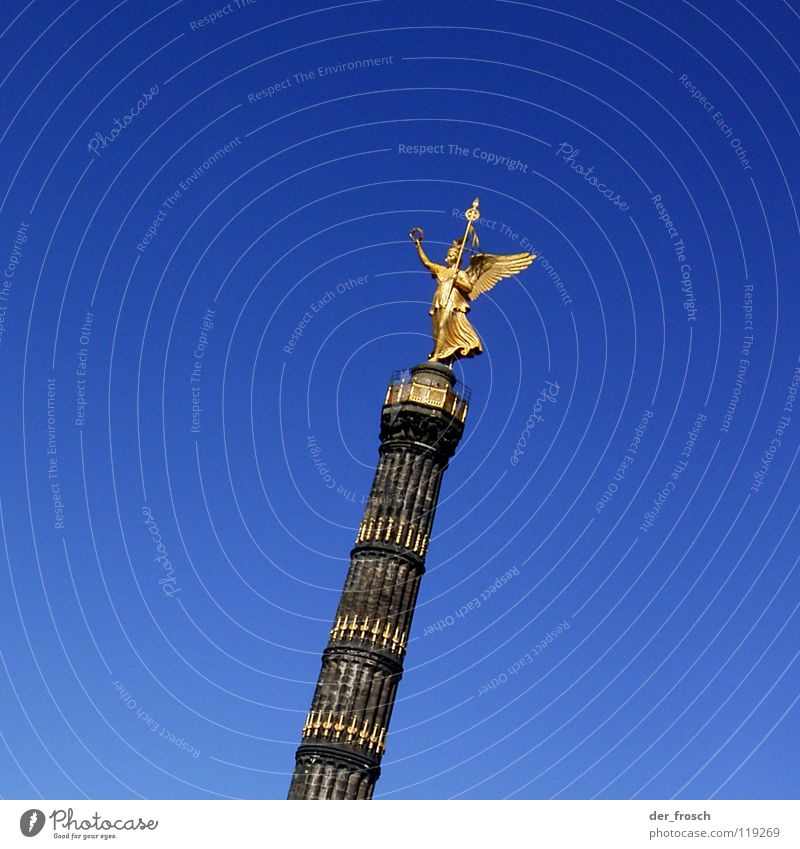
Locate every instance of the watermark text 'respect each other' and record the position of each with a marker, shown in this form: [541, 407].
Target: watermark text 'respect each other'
[318, 305]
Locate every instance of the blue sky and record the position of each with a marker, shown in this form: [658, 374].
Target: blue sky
[207, 283]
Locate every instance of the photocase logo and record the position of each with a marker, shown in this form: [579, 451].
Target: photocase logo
[31, 822]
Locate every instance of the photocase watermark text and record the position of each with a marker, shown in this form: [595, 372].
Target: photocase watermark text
[546, 396]
[168, 583]
[100, 141]
[569, 156]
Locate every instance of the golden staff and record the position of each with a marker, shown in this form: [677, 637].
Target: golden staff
[471, 215]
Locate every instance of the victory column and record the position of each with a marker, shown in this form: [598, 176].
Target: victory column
[422, 420]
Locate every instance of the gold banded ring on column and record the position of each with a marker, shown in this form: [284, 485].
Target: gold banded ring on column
[406, 536]
[339, 729]
[375, 633]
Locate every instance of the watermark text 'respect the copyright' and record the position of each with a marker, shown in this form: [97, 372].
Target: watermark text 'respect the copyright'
[10, 272]
[219, 14]
[489, 157]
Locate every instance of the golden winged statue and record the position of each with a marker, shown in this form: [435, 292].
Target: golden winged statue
[453, 335]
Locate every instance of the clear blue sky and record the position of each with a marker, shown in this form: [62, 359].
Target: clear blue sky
[207, 281]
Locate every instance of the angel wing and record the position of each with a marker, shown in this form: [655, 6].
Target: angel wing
[486, 269]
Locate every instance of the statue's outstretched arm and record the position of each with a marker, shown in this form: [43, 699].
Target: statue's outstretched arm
[431, 266]
[416, 237]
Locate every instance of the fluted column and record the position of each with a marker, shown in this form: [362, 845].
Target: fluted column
[344, 736]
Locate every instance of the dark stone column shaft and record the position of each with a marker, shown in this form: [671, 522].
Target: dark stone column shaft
[344, 736]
